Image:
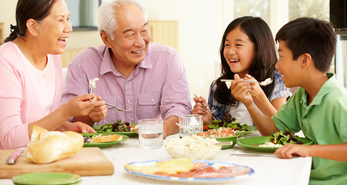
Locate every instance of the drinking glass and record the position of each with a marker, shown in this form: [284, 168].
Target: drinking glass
[150, 133]
[190, 124]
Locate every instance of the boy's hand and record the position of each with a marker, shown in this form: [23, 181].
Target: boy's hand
[241, 90]
[289, 150]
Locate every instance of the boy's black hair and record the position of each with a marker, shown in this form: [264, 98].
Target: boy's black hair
[310, 35]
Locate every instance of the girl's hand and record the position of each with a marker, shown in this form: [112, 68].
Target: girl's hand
[79, 105]
[256, 90]
[200, 109]
[241, 90]
[289, 150]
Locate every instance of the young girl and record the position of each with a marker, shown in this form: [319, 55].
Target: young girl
[247, 49]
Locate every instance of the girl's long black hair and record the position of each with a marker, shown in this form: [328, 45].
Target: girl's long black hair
[263, 65]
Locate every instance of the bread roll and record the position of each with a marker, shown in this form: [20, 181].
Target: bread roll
[108, 138]
[46, 147]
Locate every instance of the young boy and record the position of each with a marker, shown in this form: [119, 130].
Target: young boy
[318, 107]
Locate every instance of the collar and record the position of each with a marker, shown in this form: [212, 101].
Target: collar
[107, 64]
[327, 87]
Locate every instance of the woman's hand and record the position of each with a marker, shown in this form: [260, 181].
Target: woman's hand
[99, 112]
[200, 109]
[79, 105]
[241, 90]
[80, 127]
[76, 127]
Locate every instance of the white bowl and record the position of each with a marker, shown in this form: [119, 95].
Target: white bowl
[194, 147]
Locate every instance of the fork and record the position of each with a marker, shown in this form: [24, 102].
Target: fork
[117, 107]
[206, 108]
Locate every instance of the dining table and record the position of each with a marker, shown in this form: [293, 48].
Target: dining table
[267, 169]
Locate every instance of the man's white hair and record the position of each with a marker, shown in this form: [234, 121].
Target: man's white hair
[107, 14]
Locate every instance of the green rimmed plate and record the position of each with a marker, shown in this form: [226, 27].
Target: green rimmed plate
[227, 139]
[251, 141]
[244, 133]
[104, 144]
[130, 134]
[46, 178]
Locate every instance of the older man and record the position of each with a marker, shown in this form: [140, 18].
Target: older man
[148, 79]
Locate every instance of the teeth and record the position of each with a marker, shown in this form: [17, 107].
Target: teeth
[282, 76]
[232, 61]
[62, 39]
[136, 52]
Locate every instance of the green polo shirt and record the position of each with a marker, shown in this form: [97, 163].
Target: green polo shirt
[324, 122]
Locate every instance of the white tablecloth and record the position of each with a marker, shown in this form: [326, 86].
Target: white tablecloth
[268, 170]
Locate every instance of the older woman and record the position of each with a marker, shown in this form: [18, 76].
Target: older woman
[31, 75]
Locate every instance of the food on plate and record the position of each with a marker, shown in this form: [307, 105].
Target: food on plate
[278, 139]
[46, 147]
[269, 144]
[170, 166]
[227, 122]
[186, 168]
[101, 139]
[220, 132]
[193, 146]
[119, 126]
[266, 82]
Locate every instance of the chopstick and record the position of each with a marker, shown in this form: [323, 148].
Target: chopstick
[229, 80]
[206, 108]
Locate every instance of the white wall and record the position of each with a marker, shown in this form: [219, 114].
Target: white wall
[201, 26]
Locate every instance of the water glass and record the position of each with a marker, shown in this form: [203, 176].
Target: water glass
[190, 124]
[150, 133]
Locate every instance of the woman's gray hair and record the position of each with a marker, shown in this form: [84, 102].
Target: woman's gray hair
[107, 15]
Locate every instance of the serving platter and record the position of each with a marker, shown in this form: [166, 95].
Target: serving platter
[104, 144]
[190, 179]
[250, 143]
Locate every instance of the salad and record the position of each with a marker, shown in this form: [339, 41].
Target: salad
[119, 126]
[283, 138]
[227, 122]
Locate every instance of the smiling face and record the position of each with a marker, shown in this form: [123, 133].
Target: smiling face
[288, 68]
[132, 37]
[239, 52]
[55, 29]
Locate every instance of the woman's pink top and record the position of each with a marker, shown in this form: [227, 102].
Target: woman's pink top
[26, 94]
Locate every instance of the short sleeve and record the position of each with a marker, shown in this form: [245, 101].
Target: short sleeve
[280, 90]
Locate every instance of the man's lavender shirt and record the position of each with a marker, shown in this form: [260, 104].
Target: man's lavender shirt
[156, 88]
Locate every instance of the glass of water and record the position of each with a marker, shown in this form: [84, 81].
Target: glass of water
[150, 133]
[190, 124]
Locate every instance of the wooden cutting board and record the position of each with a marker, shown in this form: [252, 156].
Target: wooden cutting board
[87, 162]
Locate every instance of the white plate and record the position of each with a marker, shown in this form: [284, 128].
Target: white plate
[182, 179]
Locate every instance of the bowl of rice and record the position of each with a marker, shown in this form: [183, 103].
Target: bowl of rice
[193, 146]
